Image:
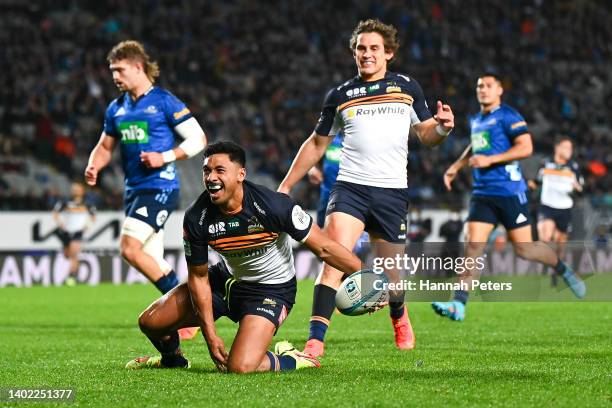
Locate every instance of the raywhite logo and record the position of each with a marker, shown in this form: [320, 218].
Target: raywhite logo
[151, 109]
[300, 219]
[216, 228]
[381, 110]
[120, 112]
[520, 218]
[161, 217]
[356, 91]
[142, 211]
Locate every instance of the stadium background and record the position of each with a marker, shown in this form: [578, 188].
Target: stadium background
[256, 72]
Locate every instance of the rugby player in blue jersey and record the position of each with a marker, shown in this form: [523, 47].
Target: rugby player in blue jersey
[375, 111]
[144, 121]
[249, 226]
[499, 139]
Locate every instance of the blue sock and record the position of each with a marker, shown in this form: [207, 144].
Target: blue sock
[317, 330]
[280, 363]
[461, 296]
[396, 309]
[167, 282]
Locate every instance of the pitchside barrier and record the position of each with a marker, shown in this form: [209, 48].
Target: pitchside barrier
[30, 254]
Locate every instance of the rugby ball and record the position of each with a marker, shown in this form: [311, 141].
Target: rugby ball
[361, 292]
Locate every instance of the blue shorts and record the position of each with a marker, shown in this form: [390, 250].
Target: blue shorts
[235, 299]
[511, 211]
[151, 206]
[382, 210]
[561, 217]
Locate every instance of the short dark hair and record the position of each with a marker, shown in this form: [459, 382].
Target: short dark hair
[563, 138]
[233, 150]
[491, 74]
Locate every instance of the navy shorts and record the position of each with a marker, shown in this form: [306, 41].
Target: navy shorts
[151, 206]
[235, 299]
[561, 217]
[67, 237]
[511, 211]
[382, 210]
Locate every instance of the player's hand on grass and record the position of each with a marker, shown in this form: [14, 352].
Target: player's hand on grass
[152, 160]
[216, 348]
[445, 117]
[91, 175]
[480, 161]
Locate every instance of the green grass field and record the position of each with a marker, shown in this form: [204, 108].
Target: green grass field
[504, 354]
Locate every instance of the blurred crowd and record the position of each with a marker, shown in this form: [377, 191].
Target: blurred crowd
[257, 72]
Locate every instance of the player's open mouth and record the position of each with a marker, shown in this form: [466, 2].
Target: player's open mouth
[214, 189]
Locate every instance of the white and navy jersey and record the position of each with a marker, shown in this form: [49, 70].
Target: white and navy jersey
[557, 182]
[254, 242]
[74, 214]
[375, 118]
[146, 125]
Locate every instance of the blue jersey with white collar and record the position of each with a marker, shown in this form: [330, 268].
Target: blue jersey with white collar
[146, 125]
[493, 133]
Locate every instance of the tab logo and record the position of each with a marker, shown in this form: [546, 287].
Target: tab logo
[134, 132]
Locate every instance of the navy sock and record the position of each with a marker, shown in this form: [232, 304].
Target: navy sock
[169, 346]
[396, 309]
[280, 363]
[167, 282]
[461, 296]
[174, 360]
[560, 267]
[170, 352]
[317, 330]
[323, 305]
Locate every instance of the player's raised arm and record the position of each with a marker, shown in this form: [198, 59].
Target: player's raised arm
[201, 298]
[100, 157]
[331, 252]
[310, 153]
[434, 131]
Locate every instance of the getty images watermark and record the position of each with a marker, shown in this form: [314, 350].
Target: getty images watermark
[493, 271]
[458, 265]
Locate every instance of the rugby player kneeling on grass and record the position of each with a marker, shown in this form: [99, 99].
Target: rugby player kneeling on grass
[254, 285]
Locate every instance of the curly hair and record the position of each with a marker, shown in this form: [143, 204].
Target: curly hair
[134, 51]
[387, 31]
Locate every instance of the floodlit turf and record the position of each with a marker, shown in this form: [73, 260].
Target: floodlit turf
[504, 354]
